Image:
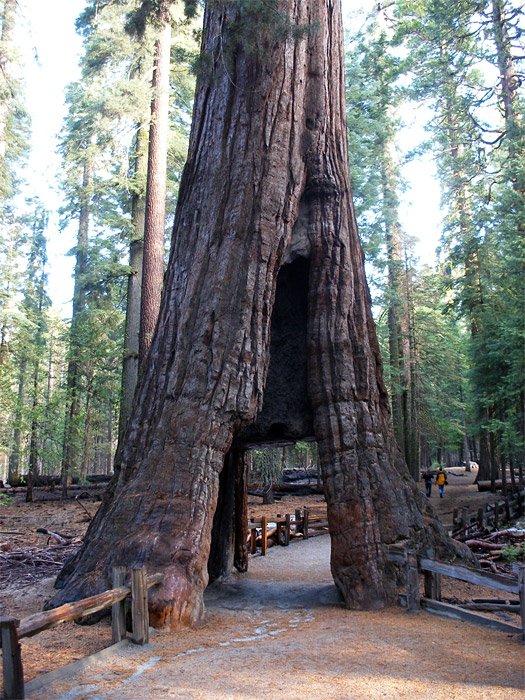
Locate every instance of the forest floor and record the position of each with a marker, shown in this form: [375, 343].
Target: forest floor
[278, 630]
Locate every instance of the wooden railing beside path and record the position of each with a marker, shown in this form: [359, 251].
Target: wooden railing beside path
[431, 600]
[12, 630]
[491, 516]
[282, 528]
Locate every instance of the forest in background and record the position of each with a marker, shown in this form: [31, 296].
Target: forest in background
[452, 335]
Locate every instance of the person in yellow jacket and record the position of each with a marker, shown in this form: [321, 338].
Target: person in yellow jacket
[441, 481]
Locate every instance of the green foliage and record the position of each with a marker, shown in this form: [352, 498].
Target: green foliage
[513, 552]
[460, 57]
[6, 500]
[266, 465]
[14, 120]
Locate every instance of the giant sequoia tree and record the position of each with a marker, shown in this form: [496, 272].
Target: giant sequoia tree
[265, 330]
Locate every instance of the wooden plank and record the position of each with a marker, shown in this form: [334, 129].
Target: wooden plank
[454, 612]
[253, 540]
[118, 609]
[481, 578]
[139, 607]
[38, 622]
[521, 586]
[13, 672]
[506, 607]
[39, 687]
[432, 585]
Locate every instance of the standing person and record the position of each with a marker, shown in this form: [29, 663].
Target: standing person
[441, 481]
[427, 478]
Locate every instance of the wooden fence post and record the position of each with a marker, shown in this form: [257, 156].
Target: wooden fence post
[432, 585]
[139, 606]
[413, 596]
[253, 539]
[264, 540]
[12, 659]
[118, 610]
[305, 523]
[521, 585]
[288, 520]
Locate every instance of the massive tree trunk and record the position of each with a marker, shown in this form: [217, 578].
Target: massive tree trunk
[265, 196]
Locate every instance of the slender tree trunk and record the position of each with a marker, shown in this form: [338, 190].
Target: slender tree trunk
[16, 448]
[465, 451]
[395, 343]
[46, 423]
[410, 351]
[155, 214]
[38, 345]
[108, 461]
[130, 364]
[71, 443]
[266, 180]
[509, 79]
[33, 443]
[88, 425]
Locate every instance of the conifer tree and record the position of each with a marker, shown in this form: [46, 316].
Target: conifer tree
[13, 116]
[450, 44]
[372, 122]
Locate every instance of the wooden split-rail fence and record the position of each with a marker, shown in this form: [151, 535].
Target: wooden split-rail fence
[491, 516]
[281, 529]
[12, 630]
[433, 570]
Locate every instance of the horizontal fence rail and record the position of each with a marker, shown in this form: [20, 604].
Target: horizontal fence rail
[433, 571]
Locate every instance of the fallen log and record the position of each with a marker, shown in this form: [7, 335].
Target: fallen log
[59, 537]
[506, 607]
[487, 485]
[491, 565]
[482, 544]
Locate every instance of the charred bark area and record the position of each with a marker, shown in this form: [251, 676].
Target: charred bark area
[286, 412]
[220, 562]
